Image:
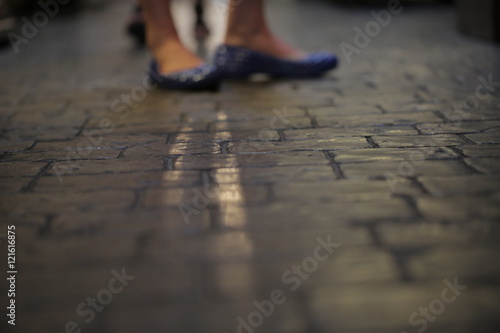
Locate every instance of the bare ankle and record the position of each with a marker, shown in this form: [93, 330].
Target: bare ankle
[155, 44]
[248, 37]
[265, 43]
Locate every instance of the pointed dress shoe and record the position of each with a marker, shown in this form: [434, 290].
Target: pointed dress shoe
[240, 62]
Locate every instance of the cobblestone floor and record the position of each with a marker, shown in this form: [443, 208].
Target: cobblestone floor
[363, 202]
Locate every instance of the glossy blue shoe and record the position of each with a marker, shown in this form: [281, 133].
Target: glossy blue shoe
[240, 62]
[204, 77]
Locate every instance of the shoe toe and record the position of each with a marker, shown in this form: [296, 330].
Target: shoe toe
[321, 62]
[239, 62]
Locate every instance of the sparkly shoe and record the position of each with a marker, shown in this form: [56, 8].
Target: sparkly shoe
[203, 77]
[240, 62]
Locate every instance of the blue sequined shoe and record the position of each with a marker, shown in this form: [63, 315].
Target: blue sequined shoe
[240, 62]
[203, 77]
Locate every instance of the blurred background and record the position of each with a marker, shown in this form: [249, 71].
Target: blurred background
[479, 18]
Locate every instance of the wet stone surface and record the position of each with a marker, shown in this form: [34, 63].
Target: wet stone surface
[339, 204]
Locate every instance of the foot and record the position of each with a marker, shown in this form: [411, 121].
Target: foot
[269, 45]
[238, 62]
[173, 57]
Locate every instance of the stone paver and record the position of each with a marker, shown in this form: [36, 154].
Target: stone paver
[480, 151]
[250, 160]
[418, 141]
[270, 147]
[485, 165]
[451, 186]
[405, 169]
[407, 119]
[275, 174]
[460, 127]
[485, 138]
[331, 133]
[394, 154]
[355, 202]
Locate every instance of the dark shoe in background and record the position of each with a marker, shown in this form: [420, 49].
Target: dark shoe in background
[136, 28]
[7, 22]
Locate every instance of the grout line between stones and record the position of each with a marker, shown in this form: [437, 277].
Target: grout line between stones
[29, 187]
[335, 166]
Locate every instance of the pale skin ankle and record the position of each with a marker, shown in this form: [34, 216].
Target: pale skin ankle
[163, 40]
[172, 56]
[247, 27]
[267, 44]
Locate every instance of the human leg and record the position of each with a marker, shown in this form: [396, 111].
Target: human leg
[163, 41]
[250, 47]
[247, 27]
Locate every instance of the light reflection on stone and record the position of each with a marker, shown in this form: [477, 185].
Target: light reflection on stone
[170, 176]
[234, 279]
[231, 244]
